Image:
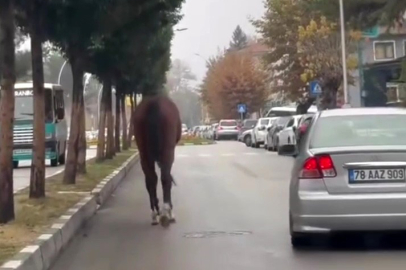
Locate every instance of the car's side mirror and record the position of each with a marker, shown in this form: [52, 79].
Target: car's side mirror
[268, 129]
[261, 128]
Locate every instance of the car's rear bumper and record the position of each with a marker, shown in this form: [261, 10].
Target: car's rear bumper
[318, 211]
[227, 133]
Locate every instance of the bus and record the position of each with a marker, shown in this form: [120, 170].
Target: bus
[287, 111]
[56, 128]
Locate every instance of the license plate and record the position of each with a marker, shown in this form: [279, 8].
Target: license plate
[376, 175]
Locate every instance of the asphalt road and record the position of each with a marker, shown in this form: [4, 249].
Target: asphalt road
[22, 173]
[231, 205]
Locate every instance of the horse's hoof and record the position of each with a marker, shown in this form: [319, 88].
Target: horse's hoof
[155, 222]
[165, 221]
[155, 219]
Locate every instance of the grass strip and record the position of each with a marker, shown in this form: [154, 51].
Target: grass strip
[34, 216]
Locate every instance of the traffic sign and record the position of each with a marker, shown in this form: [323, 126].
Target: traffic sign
[371, 32]
[242, 108]
[315, 88]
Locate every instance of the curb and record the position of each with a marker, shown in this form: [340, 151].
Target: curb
[42, 253]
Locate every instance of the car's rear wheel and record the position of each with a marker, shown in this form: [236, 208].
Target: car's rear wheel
[247, 140]
[299, 240]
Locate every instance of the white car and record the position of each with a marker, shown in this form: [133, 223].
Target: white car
[287, 136]
[246, 137]
[184, 130]
[260, 130]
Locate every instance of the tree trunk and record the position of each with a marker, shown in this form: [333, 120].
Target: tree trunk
[37, 179]
[124, 123]
[133, 101]
[7, 74]
[110, 124]
[101, 138]
[117, 122]
[81, 169]
[75, 126]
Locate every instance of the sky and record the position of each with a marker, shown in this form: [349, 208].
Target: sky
[210, 26]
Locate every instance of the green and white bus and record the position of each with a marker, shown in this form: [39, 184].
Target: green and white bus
[56, 130]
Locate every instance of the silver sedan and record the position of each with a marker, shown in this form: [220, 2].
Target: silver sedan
[349, 173]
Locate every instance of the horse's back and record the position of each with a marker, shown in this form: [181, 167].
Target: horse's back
[157, 124]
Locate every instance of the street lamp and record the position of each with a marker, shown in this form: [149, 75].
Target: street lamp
[345, 80]
[60, 72]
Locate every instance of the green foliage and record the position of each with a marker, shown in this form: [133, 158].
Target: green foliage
[363, 13]
[239, 40]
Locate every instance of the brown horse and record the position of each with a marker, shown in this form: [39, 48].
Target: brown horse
[158, 129]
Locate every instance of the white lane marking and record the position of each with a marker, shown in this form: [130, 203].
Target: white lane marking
[251, 154]
[204, 155]
[182, 156]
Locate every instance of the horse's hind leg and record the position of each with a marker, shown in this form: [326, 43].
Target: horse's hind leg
[151, 181]
[167, 216]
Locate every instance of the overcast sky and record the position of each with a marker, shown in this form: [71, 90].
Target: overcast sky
[210, 26]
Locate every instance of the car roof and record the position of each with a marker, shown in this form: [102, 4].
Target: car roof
[228, 120]
[362, 111]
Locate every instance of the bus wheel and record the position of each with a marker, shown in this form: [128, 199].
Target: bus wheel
[62, 157]
[15, 164]
[54, 162]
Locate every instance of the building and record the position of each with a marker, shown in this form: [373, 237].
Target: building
[381, 53]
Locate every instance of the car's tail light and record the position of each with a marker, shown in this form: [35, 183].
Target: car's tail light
[220, 128]
[318, 167]
[327, 166]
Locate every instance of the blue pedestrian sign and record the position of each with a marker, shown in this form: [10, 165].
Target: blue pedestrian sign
[315, 88]
[241, 108]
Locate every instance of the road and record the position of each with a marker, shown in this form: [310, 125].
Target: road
[231, 205]
[22, 173]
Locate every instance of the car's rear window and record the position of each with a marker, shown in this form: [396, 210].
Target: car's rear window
[250, 123]
[359, 130]
[228, 123]
[283, 121]
[264, 122]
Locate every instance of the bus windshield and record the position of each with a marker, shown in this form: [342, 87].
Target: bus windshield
[24, 105]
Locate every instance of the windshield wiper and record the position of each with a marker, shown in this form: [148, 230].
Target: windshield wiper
[26, 113]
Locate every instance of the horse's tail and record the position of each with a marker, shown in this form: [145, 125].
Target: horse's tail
[153, 129]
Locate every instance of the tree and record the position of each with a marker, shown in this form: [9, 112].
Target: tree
[319, 46]
[31, 18]
[236, 78]
[239, 40]
[182, 93]
[7, 77]
[179, 76]
[363, 13]
[278, 28]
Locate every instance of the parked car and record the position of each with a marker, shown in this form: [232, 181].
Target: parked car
[246, 125]
[287, 136]
[349, 174]
[302, 124]
[273, 131]
[247, 137]
[260, 130]
[212, 131]
[184, 130]
[227, 128]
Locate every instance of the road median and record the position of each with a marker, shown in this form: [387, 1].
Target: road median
[44, 227]
[190, 140]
